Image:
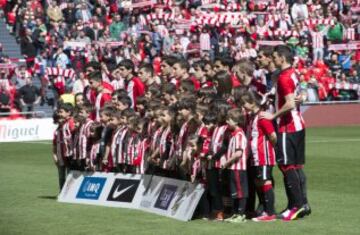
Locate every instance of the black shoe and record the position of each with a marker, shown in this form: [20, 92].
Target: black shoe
[306, 211]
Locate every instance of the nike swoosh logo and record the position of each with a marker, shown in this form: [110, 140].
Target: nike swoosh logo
[118, 193]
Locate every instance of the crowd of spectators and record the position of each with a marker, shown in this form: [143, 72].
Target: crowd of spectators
[58, 39]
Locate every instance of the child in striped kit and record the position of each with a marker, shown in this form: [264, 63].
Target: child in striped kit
[236, 158]
[63, 141]
[262, 157]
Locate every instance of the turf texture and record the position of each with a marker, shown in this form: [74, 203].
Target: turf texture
[29, 187]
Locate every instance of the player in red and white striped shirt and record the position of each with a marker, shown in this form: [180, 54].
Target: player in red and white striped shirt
[186, 108]
[137, 146]
[262, 157]
[122, 141]
[101, 96]
[134, 86]
[216, 155]
[63, 142]
[291, 138]
[81, 140]
[236, 158]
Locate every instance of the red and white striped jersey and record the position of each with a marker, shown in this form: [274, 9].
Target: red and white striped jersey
[95, 149]
[121, 142]
[262, 151]
[237, 142]
[135, 88]
[84, 135]
[217, 140]
[100, 101]
[350, 34]
[57, 146]
[165, 140]
[132, 148]
[317, 39]
[76, 137]
[118, 84]
[288, 83]
[154, 143]
[65, 138]
[181, 139]
[141, 148]
[115, 144]
[203, 133]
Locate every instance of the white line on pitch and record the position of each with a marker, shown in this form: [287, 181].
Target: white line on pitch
[332, 141]
[36, 142]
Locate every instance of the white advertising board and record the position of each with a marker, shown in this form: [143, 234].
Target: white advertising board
[26, 130]
[164, 196]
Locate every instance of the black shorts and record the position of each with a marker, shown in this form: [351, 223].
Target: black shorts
[291, 148]
[238, 184]
[263, 172]
[213, 182]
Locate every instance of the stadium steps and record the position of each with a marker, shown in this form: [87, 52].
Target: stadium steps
[12, 49]
[10, 46]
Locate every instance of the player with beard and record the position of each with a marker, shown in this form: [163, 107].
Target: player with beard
[291, 136]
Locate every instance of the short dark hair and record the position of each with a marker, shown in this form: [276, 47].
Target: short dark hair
[266, 50]
[95, 76]
[184, 64]
[210, 118]
[200, 64]
[108, 110]
[67, 107]
[224, 82]
[225, 61]
[97, 128]
[78, 94]
[168, 88]
[93, 64]
[127, 113]
[87, 107]
[148, 68]
[238, 92]
[221, 108]
[125, 100]
[116, 114]
[187, 86]
[154, 91]
[286, 52]
[251, 97]
[128, 64]
[120, 93]
[170, 60]
[237, 115]
[187, 103]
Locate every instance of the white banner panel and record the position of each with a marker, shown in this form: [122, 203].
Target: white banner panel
[164, 196]
[106, 189]
[26, 130]
[170, 197]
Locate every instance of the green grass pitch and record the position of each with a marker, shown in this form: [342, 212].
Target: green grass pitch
[29, 186]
